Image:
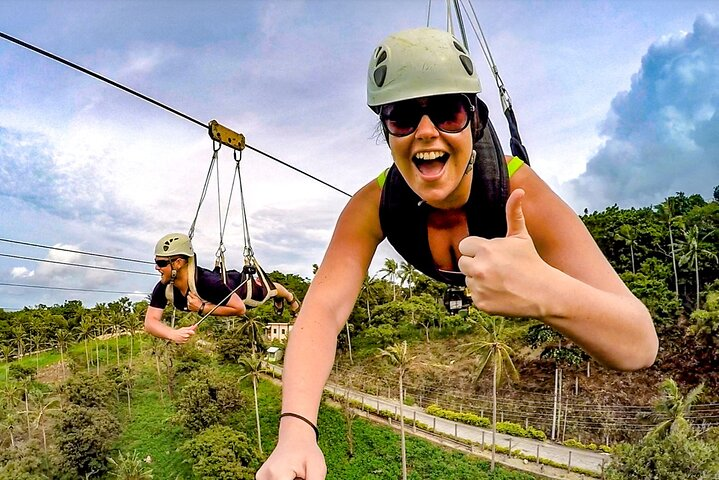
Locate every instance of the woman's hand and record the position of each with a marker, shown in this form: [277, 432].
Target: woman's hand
[506, 275]
[182, 335]
[194, 302]
[294, 459]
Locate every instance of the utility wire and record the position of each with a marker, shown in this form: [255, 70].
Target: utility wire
[24, 285]
[86, 71]
[18, 242]
[97, 267]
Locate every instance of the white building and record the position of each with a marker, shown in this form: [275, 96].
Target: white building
[278, 331]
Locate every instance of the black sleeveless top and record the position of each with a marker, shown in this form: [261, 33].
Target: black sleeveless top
[403, 214]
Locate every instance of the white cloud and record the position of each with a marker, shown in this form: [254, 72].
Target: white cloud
[21, 272]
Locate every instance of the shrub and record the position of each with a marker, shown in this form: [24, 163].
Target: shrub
[19, 372]
[83, 437]
[676, 457]
[221, 453]
[206, 398]
[87, 390]
[28, 462]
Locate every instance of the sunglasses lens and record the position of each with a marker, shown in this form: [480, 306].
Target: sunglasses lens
[449, 113]
[401, 118]
[162, 263]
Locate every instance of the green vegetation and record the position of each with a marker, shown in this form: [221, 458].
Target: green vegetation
[80, 386]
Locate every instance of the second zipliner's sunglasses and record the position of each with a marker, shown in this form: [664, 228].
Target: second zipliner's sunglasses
[162, 263]
[449, 113]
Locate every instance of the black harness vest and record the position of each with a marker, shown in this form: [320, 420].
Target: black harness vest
[403, 214]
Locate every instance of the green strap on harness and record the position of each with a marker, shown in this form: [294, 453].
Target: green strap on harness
[512, 166]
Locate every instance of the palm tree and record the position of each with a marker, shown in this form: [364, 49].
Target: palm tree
[10, 401]
[390, 270]
[253, 367]
[398, 355]
[666, 212]
[127, 380]
[368, 292]
[62, 337]
[26, 382]
[672, 408]
[18, 332]
[492, 350]
[85, 332]
[116, 321]
[629, 235]
[43, 405]
[691, 248]
[407, 275]
[157, 349]
[253, 327]
[6, 350]
[133, 323]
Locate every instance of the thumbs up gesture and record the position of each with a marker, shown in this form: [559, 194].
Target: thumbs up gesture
[503, 274]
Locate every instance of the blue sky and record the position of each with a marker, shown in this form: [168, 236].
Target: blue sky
[617, 103]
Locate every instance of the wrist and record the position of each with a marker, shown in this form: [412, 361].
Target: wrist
[301, 422]
[201, 311]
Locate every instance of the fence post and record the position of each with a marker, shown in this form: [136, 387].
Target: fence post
[434, 423]
[414, 421]
[482, 439]
[537, 454]
[455, 429]
[510, 448]
[603, 461]
[569, 463]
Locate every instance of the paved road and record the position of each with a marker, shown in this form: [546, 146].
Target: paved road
[586, 459]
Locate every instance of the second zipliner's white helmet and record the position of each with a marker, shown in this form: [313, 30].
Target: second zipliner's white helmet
[416, 63]
[172, 245]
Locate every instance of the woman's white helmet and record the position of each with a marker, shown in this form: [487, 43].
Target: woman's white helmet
[416, 63]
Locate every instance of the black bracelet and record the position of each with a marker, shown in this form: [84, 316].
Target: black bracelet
[202, 308]
[314, 427]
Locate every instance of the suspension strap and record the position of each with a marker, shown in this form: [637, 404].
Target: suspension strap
[515, 143]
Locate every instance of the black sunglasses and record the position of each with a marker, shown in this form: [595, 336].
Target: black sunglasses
[449, 113]
[162, 263]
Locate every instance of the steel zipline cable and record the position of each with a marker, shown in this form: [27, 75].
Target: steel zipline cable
[87, 290]
[100, 255]
[115, 84]
[70, 264]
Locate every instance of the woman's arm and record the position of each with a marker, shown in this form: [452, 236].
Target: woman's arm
[234, 306]
[155, 326]
[549, 267]
[313, 341]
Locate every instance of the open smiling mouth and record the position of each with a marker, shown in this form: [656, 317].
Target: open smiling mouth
[430, 164]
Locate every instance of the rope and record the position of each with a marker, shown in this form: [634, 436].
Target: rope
[152, 101]
[248, 253]
[213, 162]
[484, 45]
[221, 301]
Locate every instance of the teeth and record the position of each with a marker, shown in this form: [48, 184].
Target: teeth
[428, 155]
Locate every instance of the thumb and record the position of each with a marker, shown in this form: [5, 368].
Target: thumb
[515, 215]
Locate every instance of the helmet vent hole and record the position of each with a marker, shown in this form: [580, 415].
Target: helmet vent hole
[381, 57]
[380, 74]
[459, 47]
[467, 64]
